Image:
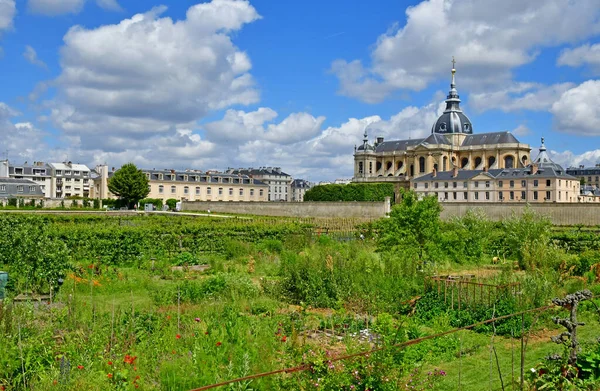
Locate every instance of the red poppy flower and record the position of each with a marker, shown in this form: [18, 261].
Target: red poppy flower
[218, 343]
[110, 363]
[135, 368]
[79, 366]
[109, 375]
[91, 266]
[129, 359]
[284, 339]
[137, 377]
[178, 336]
[173, 352]
[206, 332]
[136, 385]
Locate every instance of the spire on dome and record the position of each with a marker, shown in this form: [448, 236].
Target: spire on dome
[543, 146]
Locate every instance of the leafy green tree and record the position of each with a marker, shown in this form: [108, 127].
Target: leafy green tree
[171, 203]
[129, 183]
[413, 227]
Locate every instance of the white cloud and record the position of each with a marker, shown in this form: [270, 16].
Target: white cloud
[578, 110]
[582, 55]
[55, 7]
[521, 131]
[488, 38]
[23, 141]
[519, 96]
[129, 82]
[62, 7]
[110, 5]
[569, 159]
[31, 55]
[8, 10]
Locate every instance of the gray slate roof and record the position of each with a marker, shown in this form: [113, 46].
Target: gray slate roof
[397, 145]
[489, 138]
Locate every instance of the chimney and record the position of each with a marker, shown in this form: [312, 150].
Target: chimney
[534, 169]
[434, 173]
[379, 140]
[454, 172]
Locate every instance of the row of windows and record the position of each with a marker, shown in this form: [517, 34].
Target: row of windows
[511, 195]
[487, 184]
[59, 172]
[20, 189]
[186, 190]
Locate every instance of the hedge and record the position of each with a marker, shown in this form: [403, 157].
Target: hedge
[351, 192]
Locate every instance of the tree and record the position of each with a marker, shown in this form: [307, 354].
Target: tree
[129, 183]
[171, 203]
[413, 227]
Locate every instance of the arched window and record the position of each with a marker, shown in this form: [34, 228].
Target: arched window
[464, 162]
[173, 189]
[477, 161]
[161, 189]
[524, 160]
[378, 166]
[197, 190]
[435, 166]
[186, 190]
[421, 164]
[360, 167]
[412, 170]
[388, 165]
[400, 164]
[509, 162]
[491, 161]
[445, 163]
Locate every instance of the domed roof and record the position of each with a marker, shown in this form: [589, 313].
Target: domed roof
[453, 120]
[543, 160]
[366, 147]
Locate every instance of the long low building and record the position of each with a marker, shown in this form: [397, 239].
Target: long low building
[190, 185]
[541, 181]
[19, 188]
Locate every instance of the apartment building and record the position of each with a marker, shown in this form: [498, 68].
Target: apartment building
[541, 181]
[38, 172]
[299, 187]
[280, 183]
[190, 185]
[586, 175]
[19, 188]
[197, 186]
[70, 180]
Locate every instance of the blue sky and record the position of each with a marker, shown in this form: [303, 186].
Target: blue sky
[231, 83]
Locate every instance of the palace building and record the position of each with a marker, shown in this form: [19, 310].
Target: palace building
[451, 145]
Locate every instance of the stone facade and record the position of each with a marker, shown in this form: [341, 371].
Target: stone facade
[452, 144]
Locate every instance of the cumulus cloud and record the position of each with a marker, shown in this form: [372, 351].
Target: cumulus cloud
[8, 10]
[128, 82]
[22, 140]
[570, 159]
[488, 39]
[580, 56]
[519, 96]
[578, 110]
[62, 7]
[521, 131]
[31, 55]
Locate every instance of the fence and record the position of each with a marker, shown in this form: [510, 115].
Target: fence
[462, 291]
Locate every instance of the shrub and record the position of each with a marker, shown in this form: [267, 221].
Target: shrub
[96, 204]
[171, 203]
[351, 192]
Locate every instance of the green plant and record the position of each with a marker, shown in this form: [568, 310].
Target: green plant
[171, 203]
[129, 183]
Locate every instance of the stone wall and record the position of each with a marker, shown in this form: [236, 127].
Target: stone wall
[366, 210]
[560, 214]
